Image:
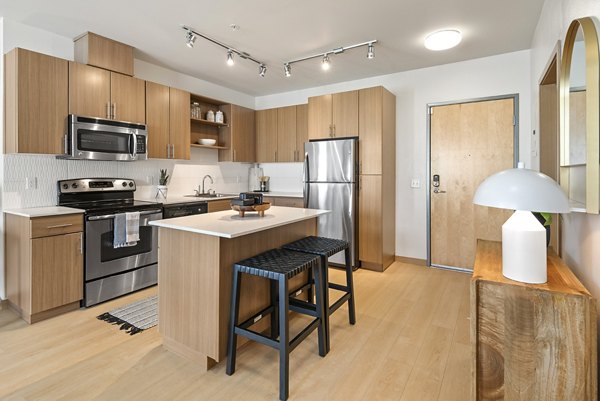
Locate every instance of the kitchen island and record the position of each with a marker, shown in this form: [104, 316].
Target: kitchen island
[196, 256]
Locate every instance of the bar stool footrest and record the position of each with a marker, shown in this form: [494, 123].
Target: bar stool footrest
[337, 304]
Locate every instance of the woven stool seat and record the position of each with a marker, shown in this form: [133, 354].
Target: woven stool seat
[321, 246]
[277, 262]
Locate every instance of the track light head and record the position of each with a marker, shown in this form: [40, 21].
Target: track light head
[325, 65]
[190, 38]
[262, 70]
[287, 68]
[230, 60]
[370, 53]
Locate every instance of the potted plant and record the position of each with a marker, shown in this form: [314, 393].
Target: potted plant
[161, 188]
[545, 219]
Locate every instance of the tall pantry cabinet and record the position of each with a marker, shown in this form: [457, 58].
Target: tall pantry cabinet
[377, 178]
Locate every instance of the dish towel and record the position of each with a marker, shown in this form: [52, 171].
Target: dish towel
[126, 229]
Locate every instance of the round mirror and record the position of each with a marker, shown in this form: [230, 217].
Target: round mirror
[579, 86]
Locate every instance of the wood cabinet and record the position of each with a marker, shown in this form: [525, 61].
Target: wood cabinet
[286, 134]
[179, 123]
[239, 136]
[102, 52]
[377, 179]
[333, 115]
[95, 92]
[36, 102]
[44, 264]
[167, 122]
[281, 133]
[266, 136]
[531, 342]
[219, 205]
[284, 201]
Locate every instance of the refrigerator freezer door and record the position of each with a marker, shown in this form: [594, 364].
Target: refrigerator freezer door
[331, 160]
[340, 223]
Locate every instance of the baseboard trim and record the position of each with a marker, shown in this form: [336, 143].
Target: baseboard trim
[3, 304]
[411, 261]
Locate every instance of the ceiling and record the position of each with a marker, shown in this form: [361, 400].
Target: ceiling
[275, 31]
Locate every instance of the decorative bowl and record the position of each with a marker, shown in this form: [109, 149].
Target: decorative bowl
[205, 141]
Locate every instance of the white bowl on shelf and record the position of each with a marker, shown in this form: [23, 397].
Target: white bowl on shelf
[205, 141]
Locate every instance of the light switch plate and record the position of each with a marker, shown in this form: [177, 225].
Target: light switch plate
[415, 183]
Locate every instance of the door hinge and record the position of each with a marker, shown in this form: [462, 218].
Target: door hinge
[514, 120]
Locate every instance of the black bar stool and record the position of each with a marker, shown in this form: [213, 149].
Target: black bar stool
[326, 247]
[277, 265]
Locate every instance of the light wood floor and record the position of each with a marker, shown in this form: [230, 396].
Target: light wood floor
[410, 343]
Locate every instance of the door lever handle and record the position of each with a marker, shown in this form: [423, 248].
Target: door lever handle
[437, 191]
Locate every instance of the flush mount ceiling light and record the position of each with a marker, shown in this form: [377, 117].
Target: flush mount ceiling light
[443, 40]
[191, 36]
[326, 62]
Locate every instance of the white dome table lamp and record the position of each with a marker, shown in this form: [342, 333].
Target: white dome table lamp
[523, 237]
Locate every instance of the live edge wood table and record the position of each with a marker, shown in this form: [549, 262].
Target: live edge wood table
[195, 262]
[531, 341]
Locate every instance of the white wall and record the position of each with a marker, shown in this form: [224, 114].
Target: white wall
[490, 76]
[581, 232]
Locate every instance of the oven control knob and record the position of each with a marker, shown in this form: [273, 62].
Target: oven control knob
[65, 186]
[124, 184]
[74, 185]
[131, 184]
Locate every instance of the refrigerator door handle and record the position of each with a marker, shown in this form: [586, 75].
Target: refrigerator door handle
[306, 178]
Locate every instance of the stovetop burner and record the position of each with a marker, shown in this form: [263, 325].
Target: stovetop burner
[101, 196]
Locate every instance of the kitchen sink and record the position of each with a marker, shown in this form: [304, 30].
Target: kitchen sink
[212, 195]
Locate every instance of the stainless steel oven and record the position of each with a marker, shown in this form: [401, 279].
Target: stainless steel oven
[99, 139]
[109, 271]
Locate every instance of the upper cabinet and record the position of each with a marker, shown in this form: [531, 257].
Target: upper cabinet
[281, 133]
[105, 53]
[266, 136]
[94, 92]
[377, 111]
[167, 122]
[238, 137]
[580, 115]
[333, 115]
[36, 102]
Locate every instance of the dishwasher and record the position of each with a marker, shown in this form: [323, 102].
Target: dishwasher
[184, 209]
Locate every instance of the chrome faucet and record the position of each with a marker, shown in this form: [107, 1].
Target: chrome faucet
[204, 180]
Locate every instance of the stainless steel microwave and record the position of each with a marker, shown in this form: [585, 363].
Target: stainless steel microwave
[98, 139]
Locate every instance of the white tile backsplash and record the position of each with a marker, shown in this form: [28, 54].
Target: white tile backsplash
[285, 177]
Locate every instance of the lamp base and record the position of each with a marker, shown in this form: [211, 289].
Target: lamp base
[524, 249]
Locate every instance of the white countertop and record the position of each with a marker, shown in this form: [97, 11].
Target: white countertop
[44, 211]
[228, 224]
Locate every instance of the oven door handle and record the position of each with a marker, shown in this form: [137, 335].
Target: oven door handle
[112, 216]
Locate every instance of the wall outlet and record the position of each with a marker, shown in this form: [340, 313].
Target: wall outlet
[30, 182]
[150, 179]
[415, 183]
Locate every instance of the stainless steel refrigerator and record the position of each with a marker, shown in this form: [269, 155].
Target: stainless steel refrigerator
[331, 183]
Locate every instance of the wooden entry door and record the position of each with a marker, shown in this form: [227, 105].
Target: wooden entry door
[469, 142]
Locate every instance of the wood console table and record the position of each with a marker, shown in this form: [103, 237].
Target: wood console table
[531, 341]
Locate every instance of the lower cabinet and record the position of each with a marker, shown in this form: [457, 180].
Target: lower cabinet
[44, 264]
[219, 205]
[376, 222]
[284, 201]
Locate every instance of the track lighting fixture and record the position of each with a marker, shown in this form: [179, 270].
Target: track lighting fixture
[190, 38]
[192, 35]
[326, 62]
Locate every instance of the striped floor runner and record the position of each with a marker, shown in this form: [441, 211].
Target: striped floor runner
[135, 317]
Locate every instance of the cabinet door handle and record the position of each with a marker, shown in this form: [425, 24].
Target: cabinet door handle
[60, 226]
[360, 183]
[275, 155]
[172, 151]
[81, 243]
[114, 111]
[168, 151]
[108, 110]
[360, 167]
[234, 155]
